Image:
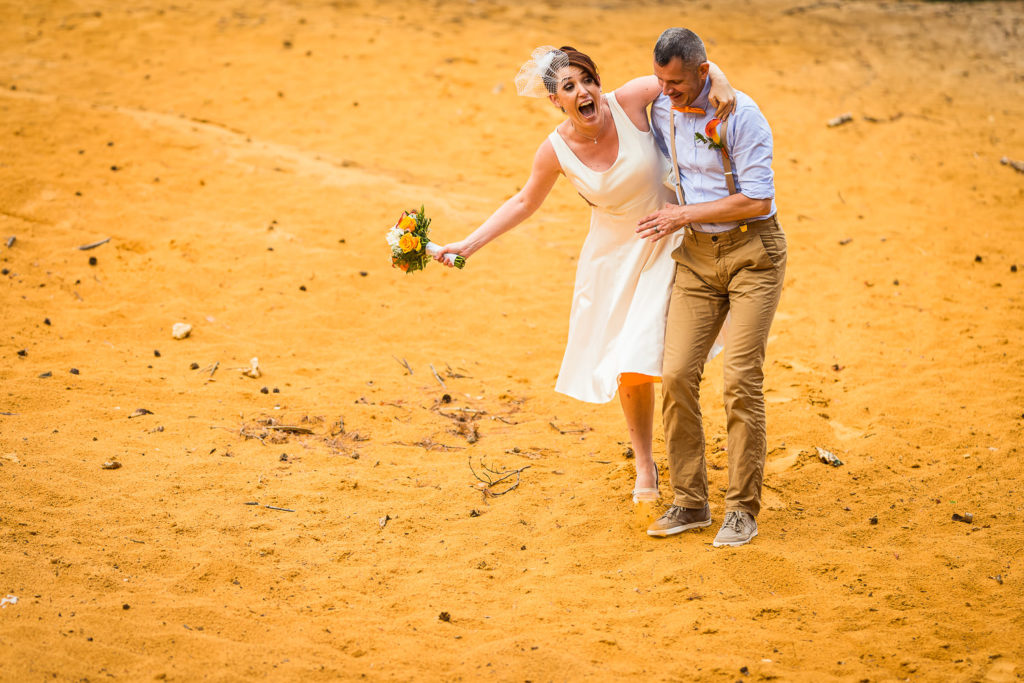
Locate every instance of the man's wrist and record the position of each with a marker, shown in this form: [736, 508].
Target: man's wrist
[682, 219]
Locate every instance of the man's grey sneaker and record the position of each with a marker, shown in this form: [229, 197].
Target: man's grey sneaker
[677, 520]
[738, 528]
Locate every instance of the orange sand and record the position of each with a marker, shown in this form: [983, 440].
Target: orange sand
[264, 147]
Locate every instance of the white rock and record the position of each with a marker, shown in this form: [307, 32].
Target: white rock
[181, 330]
[253, 370]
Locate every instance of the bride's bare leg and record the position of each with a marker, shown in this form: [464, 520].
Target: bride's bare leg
[636, 394]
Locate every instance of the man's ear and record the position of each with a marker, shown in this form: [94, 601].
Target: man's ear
[703, 69]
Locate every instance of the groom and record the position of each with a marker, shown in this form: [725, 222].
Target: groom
[731, 261]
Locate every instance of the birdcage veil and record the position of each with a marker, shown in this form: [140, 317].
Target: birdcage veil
[536, 78]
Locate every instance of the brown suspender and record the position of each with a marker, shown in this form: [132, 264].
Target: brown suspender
[730, 180]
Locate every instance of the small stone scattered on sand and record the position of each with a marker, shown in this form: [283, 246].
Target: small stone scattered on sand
[181, 330]
[254, 369]
[840, 120]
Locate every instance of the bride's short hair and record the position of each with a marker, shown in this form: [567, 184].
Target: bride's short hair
[577, 59]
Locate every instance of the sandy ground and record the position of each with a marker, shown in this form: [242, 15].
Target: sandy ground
[245, 159]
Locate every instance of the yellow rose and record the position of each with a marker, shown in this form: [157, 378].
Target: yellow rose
[407, 223]
[409, 242]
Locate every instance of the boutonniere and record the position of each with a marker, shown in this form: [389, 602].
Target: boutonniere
[710, 137]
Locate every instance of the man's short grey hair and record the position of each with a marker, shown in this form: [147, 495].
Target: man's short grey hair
[682, 43]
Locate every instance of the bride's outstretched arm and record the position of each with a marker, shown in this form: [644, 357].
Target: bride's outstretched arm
[517, 209]
[640, 92]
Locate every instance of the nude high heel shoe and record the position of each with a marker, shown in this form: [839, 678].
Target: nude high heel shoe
[648, 495]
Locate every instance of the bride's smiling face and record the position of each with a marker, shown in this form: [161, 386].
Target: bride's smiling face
[578, 94]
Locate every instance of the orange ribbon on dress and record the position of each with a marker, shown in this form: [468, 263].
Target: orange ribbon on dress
[689, 110]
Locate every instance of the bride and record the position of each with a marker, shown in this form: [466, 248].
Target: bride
[620, 299]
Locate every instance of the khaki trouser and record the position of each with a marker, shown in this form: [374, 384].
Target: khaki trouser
[733, 272]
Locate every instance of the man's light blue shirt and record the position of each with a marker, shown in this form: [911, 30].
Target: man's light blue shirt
[748, 141]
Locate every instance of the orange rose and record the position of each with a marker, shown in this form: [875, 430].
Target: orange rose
[711, 131]
[404, 267]
[407, 223]
[409, 242]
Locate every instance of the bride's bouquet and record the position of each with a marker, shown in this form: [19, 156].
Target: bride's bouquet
[410, 243]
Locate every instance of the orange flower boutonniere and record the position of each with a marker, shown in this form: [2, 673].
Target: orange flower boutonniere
[711, 137]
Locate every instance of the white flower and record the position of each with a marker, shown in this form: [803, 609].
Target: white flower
[394, 234]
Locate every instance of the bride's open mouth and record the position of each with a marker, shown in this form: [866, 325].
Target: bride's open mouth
[588, 110]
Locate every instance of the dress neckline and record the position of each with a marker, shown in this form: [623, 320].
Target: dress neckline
[613, 104]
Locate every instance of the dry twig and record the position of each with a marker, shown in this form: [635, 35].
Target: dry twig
[438, 377]
[487, 483]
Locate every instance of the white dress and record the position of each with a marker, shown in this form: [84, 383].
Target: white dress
[623, 282]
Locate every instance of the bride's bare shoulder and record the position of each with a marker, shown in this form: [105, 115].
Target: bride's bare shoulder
[638, 92]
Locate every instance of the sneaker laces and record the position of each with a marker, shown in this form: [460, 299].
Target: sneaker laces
[734, 521]
[675, 513]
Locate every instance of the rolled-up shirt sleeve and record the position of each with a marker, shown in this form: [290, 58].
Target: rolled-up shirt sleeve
[750, 146]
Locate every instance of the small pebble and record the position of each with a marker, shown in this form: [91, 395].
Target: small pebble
[276, 390]
[23, 353]
[74, 371]
[181, 330]
[126, 606]
[363, 273]
[744, 670]
[873, 520]
[977, 259]
[46, 374]
[5, 271]
[194, 366]
[92, 260]
[114, 168]
[284, 457]
[1013, 268]
[46, 321]
[156, 352]
[264, 390]
[302, 287]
